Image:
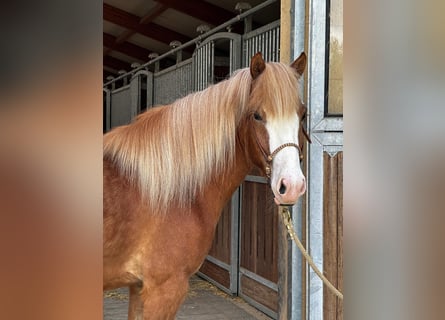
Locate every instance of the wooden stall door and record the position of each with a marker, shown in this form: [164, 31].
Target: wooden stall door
[258, 271]
[219, 267]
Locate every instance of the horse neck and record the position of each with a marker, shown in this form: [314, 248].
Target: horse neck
[222, 186]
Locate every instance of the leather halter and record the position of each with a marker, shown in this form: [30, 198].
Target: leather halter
[270, 156]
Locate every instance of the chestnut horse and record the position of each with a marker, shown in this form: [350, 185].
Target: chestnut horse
[168, 175]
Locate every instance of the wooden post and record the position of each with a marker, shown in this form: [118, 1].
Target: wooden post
[333, 233]
[285, 31]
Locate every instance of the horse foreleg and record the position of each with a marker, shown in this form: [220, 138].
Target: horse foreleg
[163, 301]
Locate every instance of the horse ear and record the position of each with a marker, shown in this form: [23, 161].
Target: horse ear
[300, 63]
[257, 65]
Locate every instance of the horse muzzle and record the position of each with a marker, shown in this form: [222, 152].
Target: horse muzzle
[287, 191]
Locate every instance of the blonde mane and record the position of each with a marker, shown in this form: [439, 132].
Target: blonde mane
[171, 152]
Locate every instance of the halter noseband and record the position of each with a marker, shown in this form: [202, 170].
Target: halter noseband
[270, 157]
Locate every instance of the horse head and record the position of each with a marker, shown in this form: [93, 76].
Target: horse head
[275, 126]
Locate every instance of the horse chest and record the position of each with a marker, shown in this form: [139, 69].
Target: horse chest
[182, 241]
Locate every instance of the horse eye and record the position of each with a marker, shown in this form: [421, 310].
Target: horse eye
[257, 116]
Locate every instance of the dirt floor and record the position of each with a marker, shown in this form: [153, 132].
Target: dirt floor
[204, 302]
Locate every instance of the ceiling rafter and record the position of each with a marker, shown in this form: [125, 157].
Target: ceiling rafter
[121, 39]
[153, 13]
[127, 48]
[201, 10]
[132, 22]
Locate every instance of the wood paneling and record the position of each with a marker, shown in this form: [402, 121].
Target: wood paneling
[221, 242]
[215, 272]
[260, 293]
[333, 233]
[340, 236]
[258, 245]
[259, 231]
[220, 249]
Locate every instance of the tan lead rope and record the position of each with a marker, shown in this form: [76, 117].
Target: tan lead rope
[287, 220]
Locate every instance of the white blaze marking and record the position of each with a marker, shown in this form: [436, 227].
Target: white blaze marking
[286, 163]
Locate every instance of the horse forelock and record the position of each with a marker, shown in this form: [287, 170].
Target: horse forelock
[171, 152]
[277, 91]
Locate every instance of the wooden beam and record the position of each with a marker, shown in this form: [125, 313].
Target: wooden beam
[120, 44]
[149, 17]
[285, 31]
[124, 36]
[332, 242]
[201, 10]
[157, 10]
[127, 48]
[132, 22]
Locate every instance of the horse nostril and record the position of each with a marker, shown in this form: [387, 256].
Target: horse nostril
[282, 188]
